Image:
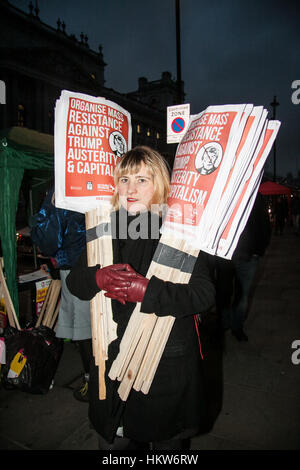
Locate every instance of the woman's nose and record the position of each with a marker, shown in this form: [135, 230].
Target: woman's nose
[131, 187]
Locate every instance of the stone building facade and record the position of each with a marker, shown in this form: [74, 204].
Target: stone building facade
[37, 61]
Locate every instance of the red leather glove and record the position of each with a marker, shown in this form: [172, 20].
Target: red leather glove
[110, 277]
[134, 292]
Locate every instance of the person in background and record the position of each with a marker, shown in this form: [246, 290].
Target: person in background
[60, 234]
[280, 214]
[234, 278]
[295, 206]
[175, 407]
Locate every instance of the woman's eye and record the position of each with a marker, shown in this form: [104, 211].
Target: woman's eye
[123, 180]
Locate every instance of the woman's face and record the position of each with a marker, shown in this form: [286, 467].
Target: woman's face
[136, 190]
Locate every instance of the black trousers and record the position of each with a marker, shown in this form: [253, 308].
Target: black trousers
[86, 353]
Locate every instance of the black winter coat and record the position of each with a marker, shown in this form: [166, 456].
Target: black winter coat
[59, 233]
[175, 405]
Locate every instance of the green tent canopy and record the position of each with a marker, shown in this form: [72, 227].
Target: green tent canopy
[20, 149]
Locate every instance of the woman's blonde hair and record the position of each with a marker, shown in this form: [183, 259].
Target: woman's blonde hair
[131, 162]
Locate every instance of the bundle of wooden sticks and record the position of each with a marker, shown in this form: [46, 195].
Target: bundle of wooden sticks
[146, 334]
[99, 251]
[50, 308]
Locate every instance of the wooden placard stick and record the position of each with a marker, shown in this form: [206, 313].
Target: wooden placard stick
[13, 319]
[148, 351]
[101, 377]
[53, 320]
[8, 311]
[99, 251]
[94, 309]
[127, 371]
[98, 328]
[104, 245]
[43, 310]
[165, 328]
[93, 327]
[10, 316]
[98, 350]
[52, 302]
[101, 357]
[91, 260]
[103, 323]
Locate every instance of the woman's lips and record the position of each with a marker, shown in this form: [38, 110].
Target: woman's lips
[131, 199]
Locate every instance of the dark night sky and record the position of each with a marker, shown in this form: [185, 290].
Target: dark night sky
[233, 51]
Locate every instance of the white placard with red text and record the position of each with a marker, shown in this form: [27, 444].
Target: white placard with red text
[216, 174]
[91, 134]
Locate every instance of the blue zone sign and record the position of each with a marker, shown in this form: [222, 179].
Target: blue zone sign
[178, 125]
[178, 117]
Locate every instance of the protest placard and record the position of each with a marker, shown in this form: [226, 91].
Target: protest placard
[41, 292]
[91, 134]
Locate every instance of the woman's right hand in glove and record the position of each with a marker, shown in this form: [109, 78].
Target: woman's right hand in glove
[109, 277]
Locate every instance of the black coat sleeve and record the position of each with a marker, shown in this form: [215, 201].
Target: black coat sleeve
[81, 281]
[179, 300]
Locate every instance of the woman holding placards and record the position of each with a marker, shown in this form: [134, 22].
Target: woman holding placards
[175, 408]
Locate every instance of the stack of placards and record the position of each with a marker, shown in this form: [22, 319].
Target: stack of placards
[216, 175]
[91, 135]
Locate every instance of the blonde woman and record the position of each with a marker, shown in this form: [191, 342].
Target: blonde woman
[174, 409]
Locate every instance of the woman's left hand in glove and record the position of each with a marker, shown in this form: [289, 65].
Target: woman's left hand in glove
[135, 292]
